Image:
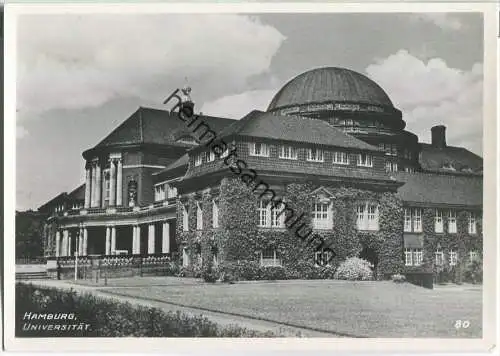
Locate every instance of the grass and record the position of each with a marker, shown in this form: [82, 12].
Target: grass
[372, 309]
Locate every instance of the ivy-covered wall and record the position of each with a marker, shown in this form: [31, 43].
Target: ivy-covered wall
[238, 237]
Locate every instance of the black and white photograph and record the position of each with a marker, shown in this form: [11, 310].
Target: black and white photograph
[251, 174]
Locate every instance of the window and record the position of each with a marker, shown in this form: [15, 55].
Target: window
[210, 156]
[185, 218]
[413, 220]
[259, 149]
[262, 211]
[288, 152]
[215, 215]
[452, 222]
[340, 158]
[321, 217]
[472, 224]
[270, 215]
[413, 256]
[107, 185]
[391, 167]
[198, 159]
[367, 216]
[171, 191]
[409, 170]
[199, 217]
[160, 192]
[225, 153]
[269, 258]
[315, 155]
[439, 254]
[453, 257]
[473, 256]
[438, 221]
[322, 257]
[185, 258]
[365, 160]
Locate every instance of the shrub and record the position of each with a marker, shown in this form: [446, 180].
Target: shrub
[272, 273]
[474, 272]
[354, 269]
[398, 278]
[209, 273]
[110, 318]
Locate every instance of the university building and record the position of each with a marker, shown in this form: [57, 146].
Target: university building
[331, 145]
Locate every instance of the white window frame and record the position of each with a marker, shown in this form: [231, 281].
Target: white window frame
[408, 257]
[418, 256]
[407, 220]
[472, 224]
[210, 156]
[199, 216]
[288, 152]
[439, 257]
[319, 155]
[215, 214]
[413, 220]
[365, 160]
[391, 166]
[473, 255]
[322, 254]
[270, 216]
[160, 193]
[367, 216]
[340, 157]
[273, 261]
[452, 222]
[322, 215]
[439, 222]
[417, 220]
[170, 192]
[453, 258]
[262, 213]
[185, 218]
[263, 149]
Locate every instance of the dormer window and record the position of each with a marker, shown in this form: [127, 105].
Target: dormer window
[259, 149]
[198, 159]
[315, 155]
[340, 158]
[288, 152]
[365, 160]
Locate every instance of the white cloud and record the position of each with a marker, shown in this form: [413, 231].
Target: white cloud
[21, 132]
[431, 93]
[83, 61]
[237, 106]
[441, 19]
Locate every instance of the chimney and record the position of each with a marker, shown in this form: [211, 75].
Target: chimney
[438, 136]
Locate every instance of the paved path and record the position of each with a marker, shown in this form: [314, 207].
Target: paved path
[219, 318]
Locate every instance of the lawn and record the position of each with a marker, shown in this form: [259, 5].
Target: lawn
[372, 309]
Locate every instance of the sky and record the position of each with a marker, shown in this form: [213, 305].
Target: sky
[80, 76]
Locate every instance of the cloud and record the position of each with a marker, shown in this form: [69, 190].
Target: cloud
[75, 61]
[441, 19]
[21, 132]
[431, 93]
[237, 106]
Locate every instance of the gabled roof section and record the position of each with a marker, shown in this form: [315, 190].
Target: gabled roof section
[59, 198]
[294, 128]
[457, 159]
[441, 189]
[154, 126]
[78, 193]
[175, 169]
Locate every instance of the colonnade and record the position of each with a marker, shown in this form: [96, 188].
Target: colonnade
[95, 182]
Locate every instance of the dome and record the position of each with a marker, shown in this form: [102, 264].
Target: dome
[330, 84]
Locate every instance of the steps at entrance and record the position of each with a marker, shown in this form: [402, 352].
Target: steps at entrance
[31, 275]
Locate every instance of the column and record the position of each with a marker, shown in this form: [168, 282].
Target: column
[98, 183]
[151, 239]
[85, 241]
[88, 185]
[65, 242]
[80, 242]
[134, 240]
[165, 244]
[108, 241]
[93, 187]
[112, 185]
[119, 183]
[113, 240]
[70, 240]
[58, 243]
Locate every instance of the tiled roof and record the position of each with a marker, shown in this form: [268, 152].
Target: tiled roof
[293, 128]
[148, 125]
[176, 168]
[446, 189]
[330, 84]
[78, 193]
[434, 159]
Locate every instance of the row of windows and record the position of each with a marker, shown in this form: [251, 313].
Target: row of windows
[199, 216]
[312, 154]
[164, 191]
[415, 257]
[413, 221]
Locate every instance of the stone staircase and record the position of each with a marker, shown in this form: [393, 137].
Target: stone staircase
[31, 275]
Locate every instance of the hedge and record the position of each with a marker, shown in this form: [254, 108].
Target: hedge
[109, 318]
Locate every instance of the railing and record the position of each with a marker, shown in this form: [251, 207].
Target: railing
[39, 260]
[117, 209]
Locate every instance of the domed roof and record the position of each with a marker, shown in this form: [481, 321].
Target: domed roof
[330, 84]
